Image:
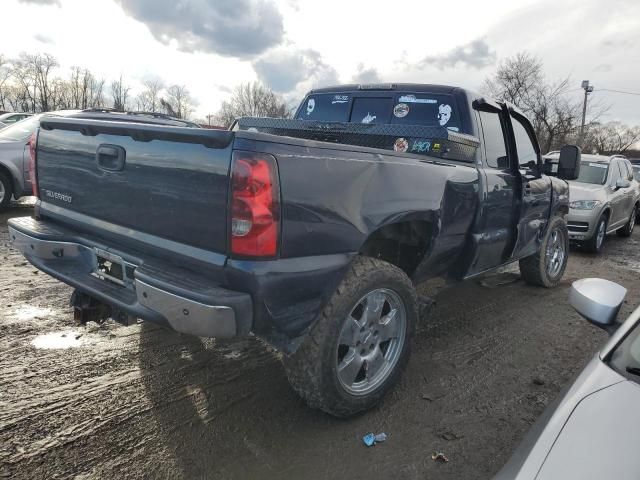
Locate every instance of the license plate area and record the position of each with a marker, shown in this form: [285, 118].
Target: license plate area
[113, 268]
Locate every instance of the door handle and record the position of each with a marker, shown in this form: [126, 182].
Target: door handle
[110, 157]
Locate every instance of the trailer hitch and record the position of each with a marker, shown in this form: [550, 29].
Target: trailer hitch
[88, 309]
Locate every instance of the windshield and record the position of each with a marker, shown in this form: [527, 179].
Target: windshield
[627, 354]
[593, 172]
[20, 131]
[394, 108]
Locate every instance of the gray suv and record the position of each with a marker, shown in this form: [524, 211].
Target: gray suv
[604, 199]
[14, 144]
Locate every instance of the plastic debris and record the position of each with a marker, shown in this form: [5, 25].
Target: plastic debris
[371, 439]
[439, 457]
[381, 437]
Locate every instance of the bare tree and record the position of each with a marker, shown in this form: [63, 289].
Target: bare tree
[5, 87]
[120, 94]
[149, 99]
[34, 73]
[178, 101]
[555, 116]
[516, 80]
[611, 138]
[252, 100]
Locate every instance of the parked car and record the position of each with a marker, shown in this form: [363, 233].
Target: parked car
[605, 198]
[309, 233]
[636, 176]
[593, 429]
[13, 117]
[14, 147]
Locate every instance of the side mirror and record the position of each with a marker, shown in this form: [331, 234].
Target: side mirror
[569, 162]
[598, 301]
[622, 183]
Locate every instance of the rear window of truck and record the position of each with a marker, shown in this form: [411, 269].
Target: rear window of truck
[424, 109]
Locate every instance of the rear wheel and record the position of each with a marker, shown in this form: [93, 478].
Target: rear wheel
[627, 230]
[594, 244]
[6, 191]
[546, 267]
[360, 344]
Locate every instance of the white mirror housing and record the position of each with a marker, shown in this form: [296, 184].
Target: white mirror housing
[597, 300]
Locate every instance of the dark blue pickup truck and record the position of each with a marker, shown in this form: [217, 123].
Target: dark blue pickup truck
[309, 233]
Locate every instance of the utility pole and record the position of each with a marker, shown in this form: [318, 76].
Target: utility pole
[587, 90]
[209, 117]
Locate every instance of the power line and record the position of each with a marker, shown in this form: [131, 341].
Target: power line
[617, 91]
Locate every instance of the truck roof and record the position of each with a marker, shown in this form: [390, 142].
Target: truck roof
[414, 87]
[402, 87]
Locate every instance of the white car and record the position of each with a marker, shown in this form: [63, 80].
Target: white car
[13, 117]
[593, 430]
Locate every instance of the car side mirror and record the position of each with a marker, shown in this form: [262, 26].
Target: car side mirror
[598, 301]
[503, 162]
[569, 162]
[622, 183]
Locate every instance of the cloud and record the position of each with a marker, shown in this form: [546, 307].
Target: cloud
[287, 69]
[476, 54]
[43, 38]
[603, 67]
[235, 28]
[366, 75]
[41, 2]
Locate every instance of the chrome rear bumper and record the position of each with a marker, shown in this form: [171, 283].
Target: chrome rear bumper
[153, 294]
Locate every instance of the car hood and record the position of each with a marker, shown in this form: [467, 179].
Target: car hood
[600, 438]
[534, 450]
[587, 191]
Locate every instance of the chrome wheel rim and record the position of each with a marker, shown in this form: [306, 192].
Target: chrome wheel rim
[2, 192]
[371, 341]
[555, 253]
[602, 230]
[632, 220]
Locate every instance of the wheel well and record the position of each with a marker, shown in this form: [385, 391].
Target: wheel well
[403, 244]
[606, 212]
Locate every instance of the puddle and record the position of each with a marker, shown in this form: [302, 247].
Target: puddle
[232, 355]
[58, 340]
[29, 312]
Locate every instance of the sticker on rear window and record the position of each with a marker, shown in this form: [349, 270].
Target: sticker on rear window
[413, 99]
[368, 118]
[401, 110]
[444, 114]
[599, 165]
[340, 99]
[311, 104]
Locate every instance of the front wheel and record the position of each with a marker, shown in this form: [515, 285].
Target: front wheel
[627, 230]
[546, 267]
[594, 244]
[361, 342]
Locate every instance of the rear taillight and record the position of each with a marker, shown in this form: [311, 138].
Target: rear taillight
[33, 175]
[255, 205]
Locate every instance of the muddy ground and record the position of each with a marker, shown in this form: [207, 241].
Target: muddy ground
[142, 402]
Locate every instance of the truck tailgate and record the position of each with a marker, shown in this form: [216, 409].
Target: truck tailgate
[167, 182]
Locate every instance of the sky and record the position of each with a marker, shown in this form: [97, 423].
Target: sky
[294, 45]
